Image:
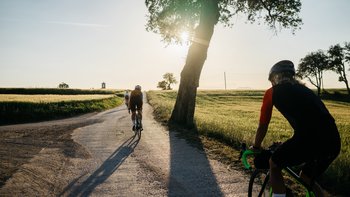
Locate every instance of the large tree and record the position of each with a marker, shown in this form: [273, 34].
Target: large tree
[170, 18]
[338, 57]
[312, 67]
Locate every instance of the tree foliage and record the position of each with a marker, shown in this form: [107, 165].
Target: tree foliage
[63, 85]
[339, 57]
[335, 59]
[169, 79]
[312, 67]
[162, 85]
[170, 18]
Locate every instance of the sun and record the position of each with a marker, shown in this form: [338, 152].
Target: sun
[184, 37]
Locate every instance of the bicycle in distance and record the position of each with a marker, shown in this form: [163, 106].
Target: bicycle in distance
[259, 185]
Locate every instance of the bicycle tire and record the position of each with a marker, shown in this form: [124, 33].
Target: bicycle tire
[259, 184]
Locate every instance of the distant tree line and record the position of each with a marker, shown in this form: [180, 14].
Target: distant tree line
[336, 58]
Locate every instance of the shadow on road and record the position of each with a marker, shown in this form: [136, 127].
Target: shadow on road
[190, 172]
[110, 165]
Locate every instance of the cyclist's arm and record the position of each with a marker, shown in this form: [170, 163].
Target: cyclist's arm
[260, 135]
[265, 117]
[141, 97]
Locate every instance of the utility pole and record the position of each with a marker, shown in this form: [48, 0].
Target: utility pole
[225, 79]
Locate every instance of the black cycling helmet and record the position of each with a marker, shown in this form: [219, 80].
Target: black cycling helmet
[137, 87]
[282, 66]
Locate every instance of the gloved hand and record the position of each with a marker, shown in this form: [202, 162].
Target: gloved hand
[257, 149]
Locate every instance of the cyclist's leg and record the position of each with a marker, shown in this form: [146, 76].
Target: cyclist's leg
[139, 107]
[139, 112]
[290, 153]
[315, 168]
[325, 150]
[316, 188]
[276, 179]
[133, 115]
[133, 118]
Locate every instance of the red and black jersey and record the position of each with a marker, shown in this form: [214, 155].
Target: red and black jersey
[316, 136]
[299, 105]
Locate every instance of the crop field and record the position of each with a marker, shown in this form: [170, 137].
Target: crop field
[232, 117]
[50, 98]
[61, 91]
[21, 108]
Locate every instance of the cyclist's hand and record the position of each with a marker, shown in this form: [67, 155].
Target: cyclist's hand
[255, 149]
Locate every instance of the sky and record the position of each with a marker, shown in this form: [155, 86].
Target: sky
[86, 42]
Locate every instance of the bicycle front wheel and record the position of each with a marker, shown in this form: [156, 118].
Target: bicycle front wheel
[259, 184]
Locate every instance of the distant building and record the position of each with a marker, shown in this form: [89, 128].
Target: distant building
[103, 85]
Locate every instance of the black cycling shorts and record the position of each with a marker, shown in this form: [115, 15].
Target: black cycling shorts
[136, 104]
[317, 154]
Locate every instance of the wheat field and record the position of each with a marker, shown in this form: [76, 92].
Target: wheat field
[50, 98]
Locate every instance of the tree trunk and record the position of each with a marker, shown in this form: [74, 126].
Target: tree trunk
[183, 112]
[319, 89]
[346, 80]
[347, 87]
[346, 83]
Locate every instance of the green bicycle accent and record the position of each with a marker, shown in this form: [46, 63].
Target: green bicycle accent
[245, 154]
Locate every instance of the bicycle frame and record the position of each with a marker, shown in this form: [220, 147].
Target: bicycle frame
[307, 187]
[247, 152]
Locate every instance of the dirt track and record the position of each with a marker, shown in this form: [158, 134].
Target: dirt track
[103, 157]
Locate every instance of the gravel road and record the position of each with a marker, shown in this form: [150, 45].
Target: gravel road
[109, 159]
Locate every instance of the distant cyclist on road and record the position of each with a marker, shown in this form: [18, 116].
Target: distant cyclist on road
[126, 98]
[135, 103]
[316, 140]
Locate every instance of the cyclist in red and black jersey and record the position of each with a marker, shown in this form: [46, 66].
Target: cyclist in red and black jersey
[135, 103]
[316, 140]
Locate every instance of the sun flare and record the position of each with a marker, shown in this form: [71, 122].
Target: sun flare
[184, 37]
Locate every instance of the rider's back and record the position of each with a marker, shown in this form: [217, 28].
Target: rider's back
[136, 96]
[302, 108]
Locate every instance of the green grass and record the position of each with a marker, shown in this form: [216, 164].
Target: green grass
[232, 117]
